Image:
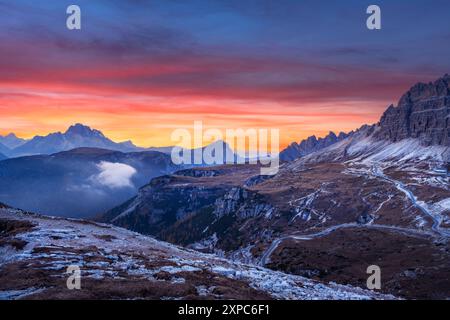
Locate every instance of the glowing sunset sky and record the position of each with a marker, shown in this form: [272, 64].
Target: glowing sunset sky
[139, 69]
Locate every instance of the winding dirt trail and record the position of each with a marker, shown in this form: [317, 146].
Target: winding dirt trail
[265, 258]
[376, 171]
[436, 218]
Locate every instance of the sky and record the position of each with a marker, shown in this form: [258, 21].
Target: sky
[137, 70]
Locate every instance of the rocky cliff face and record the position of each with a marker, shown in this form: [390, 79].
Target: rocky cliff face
[197, 204]
[417, 129]
[423, 113]
[242, 203]
[310, 145]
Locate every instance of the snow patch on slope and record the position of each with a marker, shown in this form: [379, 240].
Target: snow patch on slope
[119, 251]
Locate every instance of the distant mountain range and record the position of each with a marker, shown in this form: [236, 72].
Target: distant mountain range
[82, 136]
[76, 136]
[11, 141]
[310, 145]
[8, 143]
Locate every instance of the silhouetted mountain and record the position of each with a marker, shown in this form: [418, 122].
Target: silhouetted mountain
[228, 155]
[310, 145]
[81, 136]
[2, 156]
[11, 141]
[76, 136]
[79, 182]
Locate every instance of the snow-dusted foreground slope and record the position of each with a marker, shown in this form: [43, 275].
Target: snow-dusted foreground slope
[35, 252]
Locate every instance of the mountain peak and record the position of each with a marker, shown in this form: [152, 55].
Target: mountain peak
[421, 113]
[331, 134]
[78, 127]
[310, 145]
[11, 141]
[82, 130]
[76, 136]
